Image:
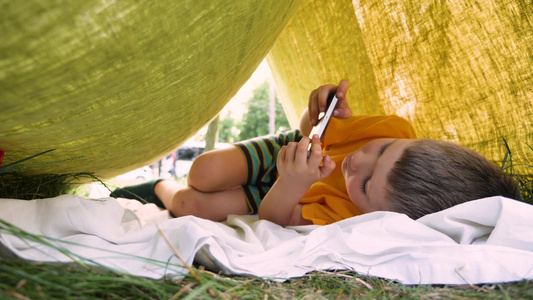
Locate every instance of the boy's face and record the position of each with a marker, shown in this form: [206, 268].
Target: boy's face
[366, 171]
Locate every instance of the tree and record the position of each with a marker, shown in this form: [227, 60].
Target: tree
[255, 121]
[226, 132]
[212, 134]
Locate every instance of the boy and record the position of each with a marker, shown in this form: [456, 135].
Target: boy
[369, 163]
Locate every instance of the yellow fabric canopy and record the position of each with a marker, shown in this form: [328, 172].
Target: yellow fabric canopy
[460, 70]
[114, 85]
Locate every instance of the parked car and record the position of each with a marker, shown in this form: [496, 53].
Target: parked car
[137, 175]
[186, 154]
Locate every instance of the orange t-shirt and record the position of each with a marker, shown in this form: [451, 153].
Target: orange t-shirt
[327, 201]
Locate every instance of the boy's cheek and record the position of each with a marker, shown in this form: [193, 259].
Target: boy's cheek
[351, 190]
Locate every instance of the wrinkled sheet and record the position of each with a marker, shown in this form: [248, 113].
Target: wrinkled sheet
[483, 241]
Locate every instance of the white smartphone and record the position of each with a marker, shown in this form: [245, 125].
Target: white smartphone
[323, 120]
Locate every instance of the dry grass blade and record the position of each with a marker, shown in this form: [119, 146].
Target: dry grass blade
[367, 285]
[18, 296]
[458, 269]
[178, 255]
[184, 289]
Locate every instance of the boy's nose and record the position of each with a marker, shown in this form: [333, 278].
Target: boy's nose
[360, 160]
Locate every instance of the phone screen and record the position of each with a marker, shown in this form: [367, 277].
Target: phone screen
[323, 120]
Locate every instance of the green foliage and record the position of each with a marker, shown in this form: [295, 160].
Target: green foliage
[225, 130]
[255, 121]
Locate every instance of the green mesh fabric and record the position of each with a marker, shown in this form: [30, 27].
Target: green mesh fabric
[460, 70]
[113, 85]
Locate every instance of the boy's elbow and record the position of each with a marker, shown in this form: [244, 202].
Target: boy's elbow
[293, 218]
[272, 218]
[290, 218]
[296, 217]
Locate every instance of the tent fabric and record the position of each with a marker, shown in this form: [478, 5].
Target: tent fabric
[459, 70]
[114, 85]
[483, 241]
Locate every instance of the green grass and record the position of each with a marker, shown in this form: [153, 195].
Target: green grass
[28, 187]
[522, 173]
[21, 279]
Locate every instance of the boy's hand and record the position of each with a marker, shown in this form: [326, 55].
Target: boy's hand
[318, 101]
[299, 171]
[296, 175]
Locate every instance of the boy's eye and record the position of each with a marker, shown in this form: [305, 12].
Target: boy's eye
[383, 148]
[363, 184]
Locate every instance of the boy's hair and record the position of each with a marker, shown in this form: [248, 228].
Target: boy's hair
[434, 175]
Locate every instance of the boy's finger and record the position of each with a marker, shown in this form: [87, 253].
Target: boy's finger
[281, 154]
[301, 152]
[316, 154]
[343, 110]
[342, 88]
[312, 107]
[324, 93]
[327, 166]
[290, 151]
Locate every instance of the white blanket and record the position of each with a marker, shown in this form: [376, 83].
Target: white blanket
[483, 241]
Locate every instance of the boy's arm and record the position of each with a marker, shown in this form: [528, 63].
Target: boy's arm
[280, 204]
[296, 175]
